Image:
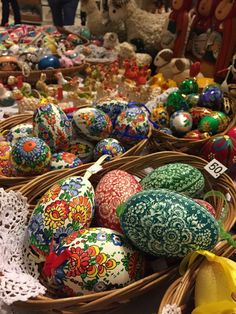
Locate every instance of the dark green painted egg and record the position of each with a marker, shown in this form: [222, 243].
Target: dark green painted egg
[164, 223]
[178, 177]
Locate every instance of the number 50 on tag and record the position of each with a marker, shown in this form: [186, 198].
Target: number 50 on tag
[215, 168]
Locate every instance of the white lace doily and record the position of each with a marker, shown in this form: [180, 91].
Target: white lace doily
[19, 272]
[171, 309]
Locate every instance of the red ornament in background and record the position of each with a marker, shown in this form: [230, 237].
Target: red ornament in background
[225, 17]
[178, 24]
[232, 132]
[222, 148]
[206, 205]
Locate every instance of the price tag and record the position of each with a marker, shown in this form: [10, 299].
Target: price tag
[215, 168]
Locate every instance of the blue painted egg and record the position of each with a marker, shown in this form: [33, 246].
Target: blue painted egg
[49, 61]
[30, 155]
[108, 146]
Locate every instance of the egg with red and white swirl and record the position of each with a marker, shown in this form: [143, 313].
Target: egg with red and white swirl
[113, 189]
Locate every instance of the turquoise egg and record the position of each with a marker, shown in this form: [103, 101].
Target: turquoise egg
[164, 223]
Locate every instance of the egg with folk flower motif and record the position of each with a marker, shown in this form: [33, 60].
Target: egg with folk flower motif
[93, 260]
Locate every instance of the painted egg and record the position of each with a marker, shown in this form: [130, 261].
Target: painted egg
[112, 107]
[6, 167]
[64, 160]
[160, 116]
[176, 102]
[189, 86]
[20, 130]
[196, 135]
[132, 125]
[93, 123]
[178, 177]
[30, 155]
[198, 113]
[94, 260]
[66, 207]
[212, 97]
[52, 125]
[181, 122]
[164, 223]
[112, 190]
[222, 148]
[82, 149]
[214, 123]
[49, 61]
[192, 100]
[166, 131]
[108, 146]
[206, 205]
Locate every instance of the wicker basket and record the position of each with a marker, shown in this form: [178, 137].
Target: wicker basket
[23, 118]
[137, 166]
[160, 141]
[180, 292]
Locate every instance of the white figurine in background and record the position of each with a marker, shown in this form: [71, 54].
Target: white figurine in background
[125, 50]
[139, 23]
[230, 76]
[97, 24]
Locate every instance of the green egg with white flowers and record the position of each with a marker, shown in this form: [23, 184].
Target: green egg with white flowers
[178, 177]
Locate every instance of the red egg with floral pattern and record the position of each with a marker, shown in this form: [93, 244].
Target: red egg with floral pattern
[112, 190]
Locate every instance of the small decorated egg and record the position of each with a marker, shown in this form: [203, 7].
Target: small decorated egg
[93, 123]
[112, 107]
[112, 190]
[64, 160]
[49, 61]
[166, 131]
[176, 102]
[198, 113]
[222, 148]
[189, 86]
[30, 155]
[93, 260]
[52, 125]
[108, 146]
[178, 177]
[82, 149]
[196, 135]
[192, 100]
[206, 205]
[181, 122]
[132, 125]
[66, 207]
[160, 116]
[214, 123]
[212, 97]
[20, 130]
[164, 223]
[6, 167]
